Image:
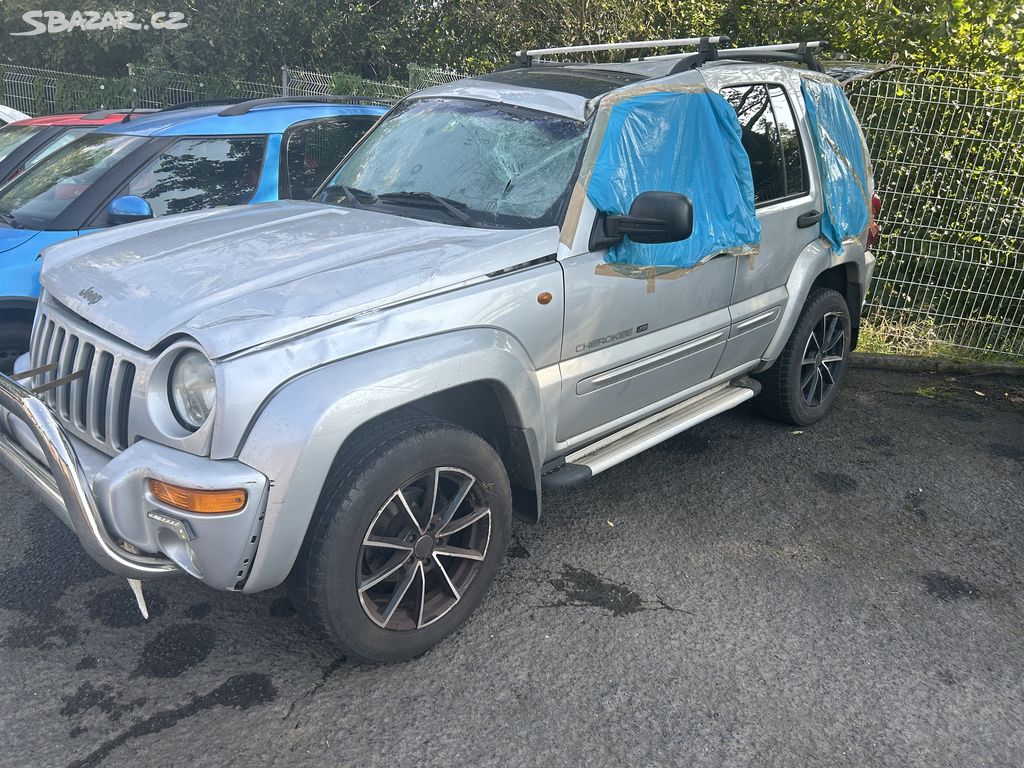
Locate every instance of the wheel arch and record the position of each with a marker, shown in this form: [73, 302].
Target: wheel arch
[17, 308]
[844, 280]
[819, 266]
[488, 409]
[481, 379]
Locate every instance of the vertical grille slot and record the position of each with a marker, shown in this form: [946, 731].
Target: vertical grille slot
[100, 395]
[44, 353]
[35, 347]
[123, 400]
[66, 368]
[80, 388]
[54, 356]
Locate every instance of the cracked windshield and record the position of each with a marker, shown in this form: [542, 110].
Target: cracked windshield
[469, 162]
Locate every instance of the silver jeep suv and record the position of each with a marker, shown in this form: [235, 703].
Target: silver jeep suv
[354, 395]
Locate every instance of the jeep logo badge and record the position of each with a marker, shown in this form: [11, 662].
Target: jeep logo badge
[90, 295]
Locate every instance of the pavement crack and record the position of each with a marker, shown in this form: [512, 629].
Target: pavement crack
[325, 674]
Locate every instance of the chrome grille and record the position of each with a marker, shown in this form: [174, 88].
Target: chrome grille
[95, 405]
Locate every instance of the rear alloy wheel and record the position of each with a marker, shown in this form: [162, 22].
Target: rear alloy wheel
[803, 383]
[411, 528]
[823, 357]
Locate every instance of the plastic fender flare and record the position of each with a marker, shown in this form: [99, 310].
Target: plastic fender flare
[301, 429]
[814, 259]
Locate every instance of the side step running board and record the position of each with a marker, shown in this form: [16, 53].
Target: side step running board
[615, 448]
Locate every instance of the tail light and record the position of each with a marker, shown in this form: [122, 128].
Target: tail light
[876, 209]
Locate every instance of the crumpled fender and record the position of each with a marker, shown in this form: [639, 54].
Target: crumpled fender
[301, 429]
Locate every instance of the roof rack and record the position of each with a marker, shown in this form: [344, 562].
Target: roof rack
[205, 103]
[801, 53]
[526, 56]
[245, 107]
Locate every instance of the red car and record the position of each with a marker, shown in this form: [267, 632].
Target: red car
[25, 142]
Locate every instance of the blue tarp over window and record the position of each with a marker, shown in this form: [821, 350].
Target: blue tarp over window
[686, 142]
[842, 161]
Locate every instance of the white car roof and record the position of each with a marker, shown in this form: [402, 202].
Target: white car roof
[9, 114]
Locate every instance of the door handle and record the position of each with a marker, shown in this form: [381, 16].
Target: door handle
[808, 219]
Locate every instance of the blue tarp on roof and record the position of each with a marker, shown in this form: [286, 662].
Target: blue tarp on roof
[685, 142]
[842, 161]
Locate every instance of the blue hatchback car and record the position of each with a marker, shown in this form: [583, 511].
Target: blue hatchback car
[174, 161]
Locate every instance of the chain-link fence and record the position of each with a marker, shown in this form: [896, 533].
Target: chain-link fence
[301, 82]
[948, 148]
[43, 91]
[424, 77]
[156, 88]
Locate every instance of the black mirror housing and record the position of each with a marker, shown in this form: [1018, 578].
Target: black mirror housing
[654, 217]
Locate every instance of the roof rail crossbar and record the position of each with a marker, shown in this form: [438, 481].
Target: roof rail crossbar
[800, 53]
[245, 107]
[204, 103]
[526, 56]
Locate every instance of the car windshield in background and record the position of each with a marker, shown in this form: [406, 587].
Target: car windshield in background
[61, 141]
[464, 162]
[14, 136]
[42, 193]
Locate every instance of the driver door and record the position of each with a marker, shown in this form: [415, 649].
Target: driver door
[631, 342]
[636, 336]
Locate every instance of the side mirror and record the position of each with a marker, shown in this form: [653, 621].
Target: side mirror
[128, 208]
[654, 217]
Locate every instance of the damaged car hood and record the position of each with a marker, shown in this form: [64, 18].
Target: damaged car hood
[238, 277]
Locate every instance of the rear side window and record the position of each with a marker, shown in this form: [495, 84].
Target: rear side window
[771, 140]
[313, 149]
[193, 174]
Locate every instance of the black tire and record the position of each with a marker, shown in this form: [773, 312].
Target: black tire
[14, 338]
[361, 490]
[784, 386]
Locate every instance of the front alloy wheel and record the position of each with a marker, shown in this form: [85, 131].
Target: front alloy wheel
[411, 528]
[423, 550]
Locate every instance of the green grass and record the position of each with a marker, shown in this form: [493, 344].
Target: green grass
[933, 392]
[919, 339]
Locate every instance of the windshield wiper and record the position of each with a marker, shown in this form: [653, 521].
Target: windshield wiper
[452, 207]
[8, 219]
[352, 194]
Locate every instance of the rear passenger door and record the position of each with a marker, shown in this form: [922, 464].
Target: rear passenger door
[768, 114]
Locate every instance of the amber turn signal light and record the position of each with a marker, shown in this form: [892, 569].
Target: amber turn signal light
[194, 500]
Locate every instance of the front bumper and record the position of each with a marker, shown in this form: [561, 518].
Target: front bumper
[105, 502]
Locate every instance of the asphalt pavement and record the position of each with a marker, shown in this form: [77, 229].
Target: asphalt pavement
[745, 594]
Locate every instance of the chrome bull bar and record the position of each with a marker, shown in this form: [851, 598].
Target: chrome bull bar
[66, 488]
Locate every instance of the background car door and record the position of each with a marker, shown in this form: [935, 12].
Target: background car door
[197, 173]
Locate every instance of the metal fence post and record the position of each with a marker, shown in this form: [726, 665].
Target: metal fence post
[284, 81]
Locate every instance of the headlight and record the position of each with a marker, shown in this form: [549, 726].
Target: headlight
[193, 389]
